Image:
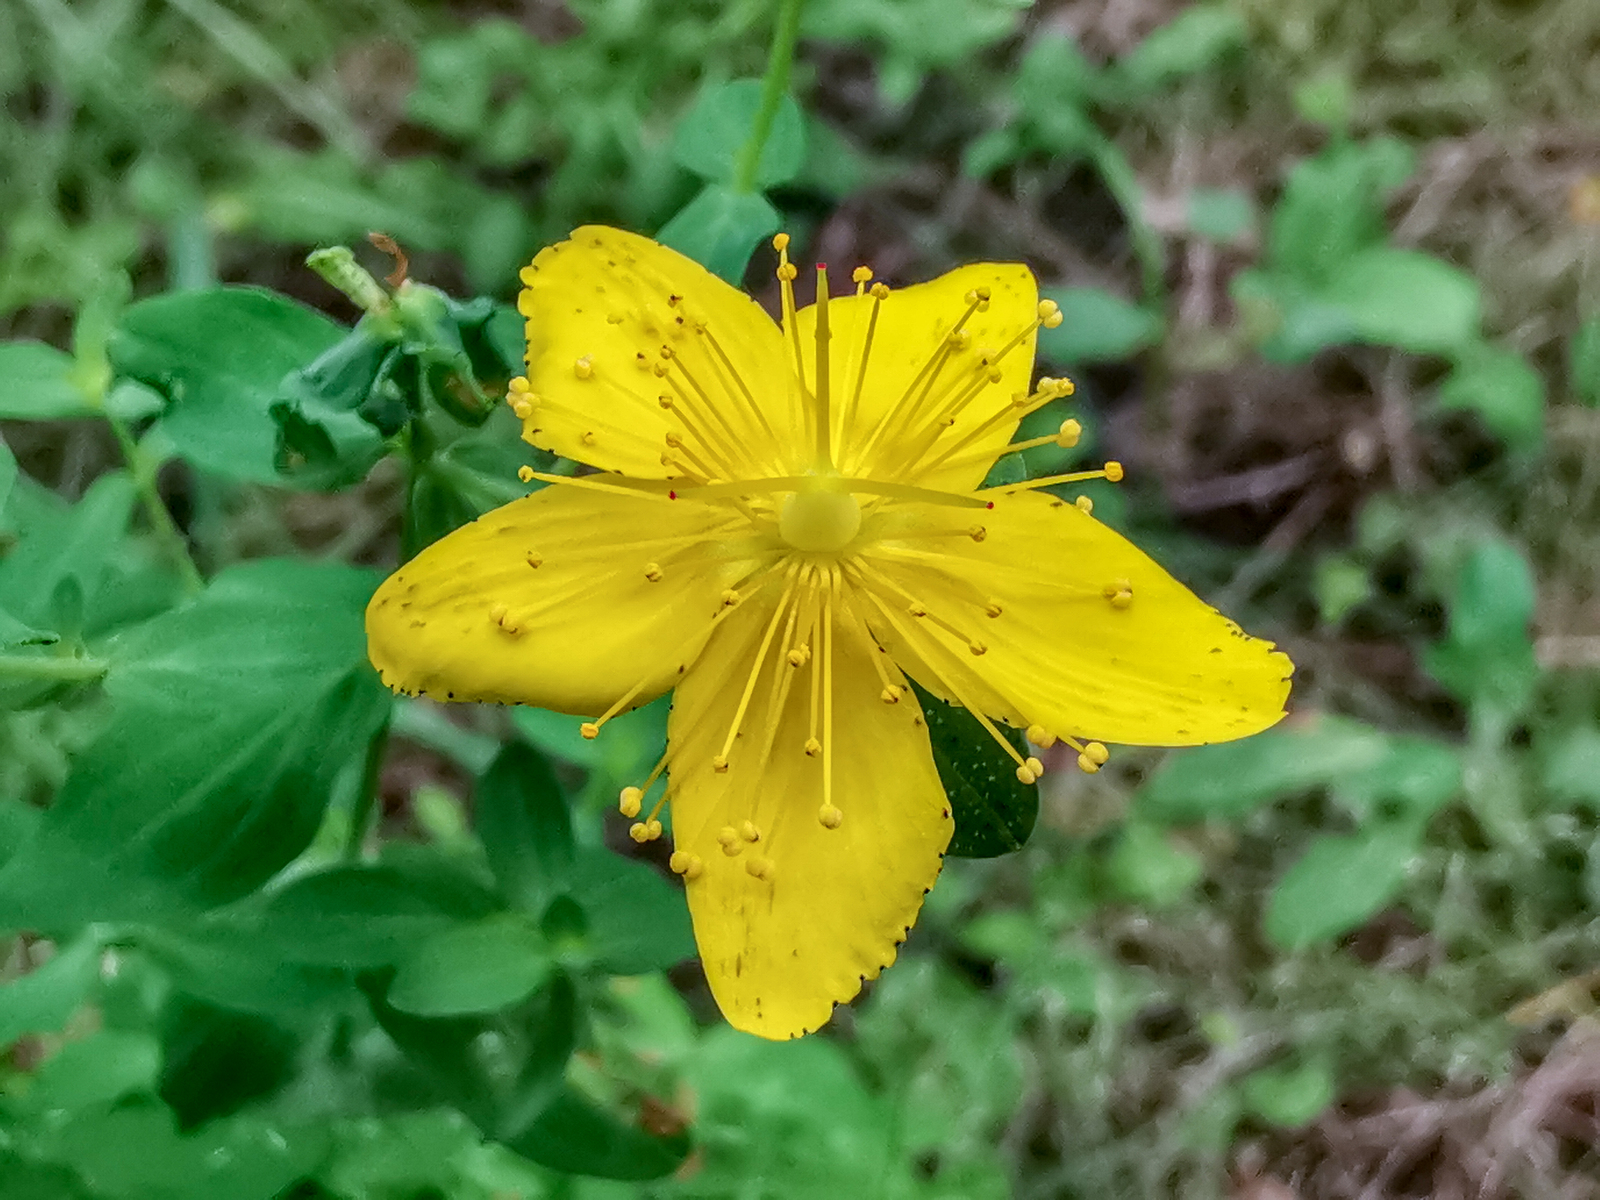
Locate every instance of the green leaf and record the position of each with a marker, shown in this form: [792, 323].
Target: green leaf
[231, 719]
[36, 384]
[1487, 656]
[575, 1136]
[219, 356]
[1096, 327]
[1583, 362]
[1289, 1096]
[1229, 780]
[637, 921]
[8, 475]
[1221, 214]
[711, 135]
[1197, 39]
[1570, 766]
[719, 229]
[74, 550]
[95, 1070]
[42, 1000]
[1332, 207]
[1338, 884]
[477, 968]
[241, 968]
[1145, 867]
[1504, 390]
[357, 916]
[994, 811]
[1406, 299]
[525, 826]
[216, 1061]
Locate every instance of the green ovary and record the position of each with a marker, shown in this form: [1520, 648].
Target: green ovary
[822, 521]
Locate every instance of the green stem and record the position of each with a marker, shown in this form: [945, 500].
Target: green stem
[774, 87]
[166, 529]
[366, 799]
[55, 668]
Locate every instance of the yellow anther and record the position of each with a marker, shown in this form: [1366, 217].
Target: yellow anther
[1119, 593]
[1114, 472]
[652, 829]
[679, 862]
[977, 648]
[664, 401]
[916, 610]
[992, 609]
[1034, 765]
[1049, 314]
[729, 598]
[760, 867]
[589, 730]
[1097, 753]
[535, 560]
[1022, 399]
[1025, 775]
[1069, 433]
[674, 441]
[642, 361]
[695, 869]
[749, 832]
[728, 836]
[1087, 765]
[630, 801]
[1040, 737]
[497, 613]
[959, 338]
[525, 473]
[652, 572]
[788, 272]
[861, 275]
[982, 293]
[830, 817]
[1067, 386]
[666, 352]
[584, 367]
[1122, 600]
[719, 764]
[891, 694]
[1085, 505]
[878, 291]
[660, 370]
[517, 383]
[587, 437]
[640, 831]
[977, 533]
[780, 242]
[522, 409]
[813, 747]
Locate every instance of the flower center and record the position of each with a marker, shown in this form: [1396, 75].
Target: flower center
[819, 520]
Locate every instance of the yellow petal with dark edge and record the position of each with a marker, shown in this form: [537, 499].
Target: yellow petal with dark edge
[781, 951]
[1092, 638]
[549, 600]
[916, 371]
[600, 309]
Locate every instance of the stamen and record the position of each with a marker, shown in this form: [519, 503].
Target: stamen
[760, 867]
[688, 865]
[728, 838]
[796, 483]
[525, 473]
[755, 670]
[861, 276]
[1119, 593]
[1084, 505]
[918, 388]
[827, 692]
[726, 364]
[787, 273]
[1112, 471]
[1028, 769]
[823, 414]
[879, 292]
[644, 831]
[1019, 407]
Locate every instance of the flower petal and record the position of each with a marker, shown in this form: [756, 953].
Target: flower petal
[913, 331]
[471, 617]
[600, 308]
[1090, 639]
[781, 951]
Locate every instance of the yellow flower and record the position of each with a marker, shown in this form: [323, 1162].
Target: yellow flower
[786, 525]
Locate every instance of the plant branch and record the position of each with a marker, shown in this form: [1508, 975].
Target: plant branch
[774, 87]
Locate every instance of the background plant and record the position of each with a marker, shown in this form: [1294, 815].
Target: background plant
[1329, 285]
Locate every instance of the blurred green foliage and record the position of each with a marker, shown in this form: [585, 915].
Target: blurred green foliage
[237, 966]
